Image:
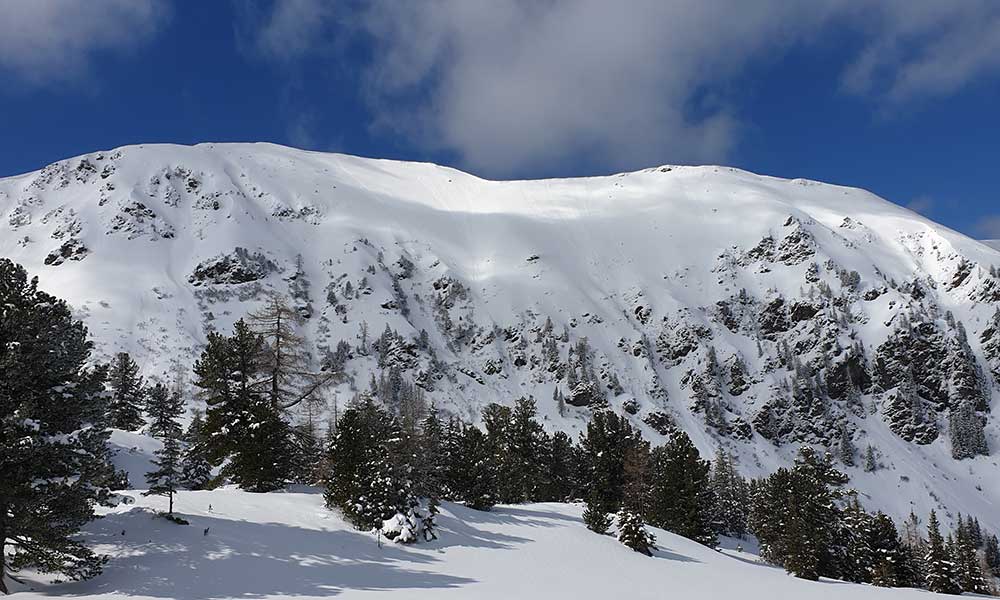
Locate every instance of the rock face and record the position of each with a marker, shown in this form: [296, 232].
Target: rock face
[754, 313]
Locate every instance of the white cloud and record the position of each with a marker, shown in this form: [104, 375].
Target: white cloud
[43, 41]
[510, 85]
[925, 48]
[288, 29]
[516, 85]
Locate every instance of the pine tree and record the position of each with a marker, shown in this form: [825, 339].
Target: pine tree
[595, 517]
[605, 445]
[196, 470]
[243, 428]
[965, 428]
[164, 409]
[846, 446]
[127, 393]
[561, 467]
[470, 473]
[633, 534]
[518, 443]
[308, 453]
[795, 517]
[681, 495]
[164, 406]
[871, 463]
[991, 554]
[966, 560]
[890, 560]
[730, 495]
[366, 483]
[52, 403]
[857, 555]
[942, 576]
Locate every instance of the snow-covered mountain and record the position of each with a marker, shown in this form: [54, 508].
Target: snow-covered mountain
[753, 312]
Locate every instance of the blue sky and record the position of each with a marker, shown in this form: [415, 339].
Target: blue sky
[899, 97]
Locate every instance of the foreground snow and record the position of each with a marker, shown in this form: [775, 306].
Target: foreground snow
[288, 545]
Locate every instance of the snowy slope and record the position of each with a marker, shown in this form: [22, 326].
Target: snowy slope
[290, 546]
[657, 269]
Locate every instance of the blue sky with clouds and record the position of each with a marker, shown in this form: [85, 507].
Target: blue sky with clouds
[896, 96]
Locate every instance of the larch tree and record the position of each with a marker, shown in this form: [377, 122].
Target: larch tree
[285, 376]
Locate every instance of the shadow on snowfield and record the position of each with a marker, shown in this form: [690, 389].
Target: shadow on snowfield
[244, 559]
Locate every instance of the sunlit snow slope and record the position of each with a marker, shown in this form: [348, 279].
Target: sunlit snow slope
[290, 546]
[749, 311]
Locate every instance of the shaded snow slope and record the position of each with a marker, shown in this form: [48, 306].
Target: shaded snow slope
[290, 546]
[784, 282]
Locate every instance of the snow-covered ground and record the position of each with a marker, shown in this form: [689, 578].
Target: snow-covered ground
[288, 545]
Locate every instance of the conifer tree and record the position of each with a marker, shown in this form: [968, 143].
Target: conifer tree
[846, 446]
[857, 559]
[941, 576]
[637, 495]
[429, 463]
[164, 409]
[595, 517]
[196, 470]
[127, 393]
[681, 495]
[366, 482]
[470, 472]
[965, 428]
[633, 534]
[730, 495]
[608, 439]
[966, 559]
[991, 554]
[308, 453]
[497, 421]
[891, 561]
[53, 404]
[561, 467]
[915, 546]
[871, 463]
[244, 429]
[283, 363]
[795, 517]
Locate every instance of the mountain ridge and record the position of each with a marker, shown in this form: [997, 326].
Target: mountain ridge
[672, 275]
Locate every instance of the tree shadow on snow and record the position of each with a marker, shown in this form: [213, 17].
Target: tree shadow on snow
[665, 553]
[245, 559]
[457, 532]
[510, 515]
